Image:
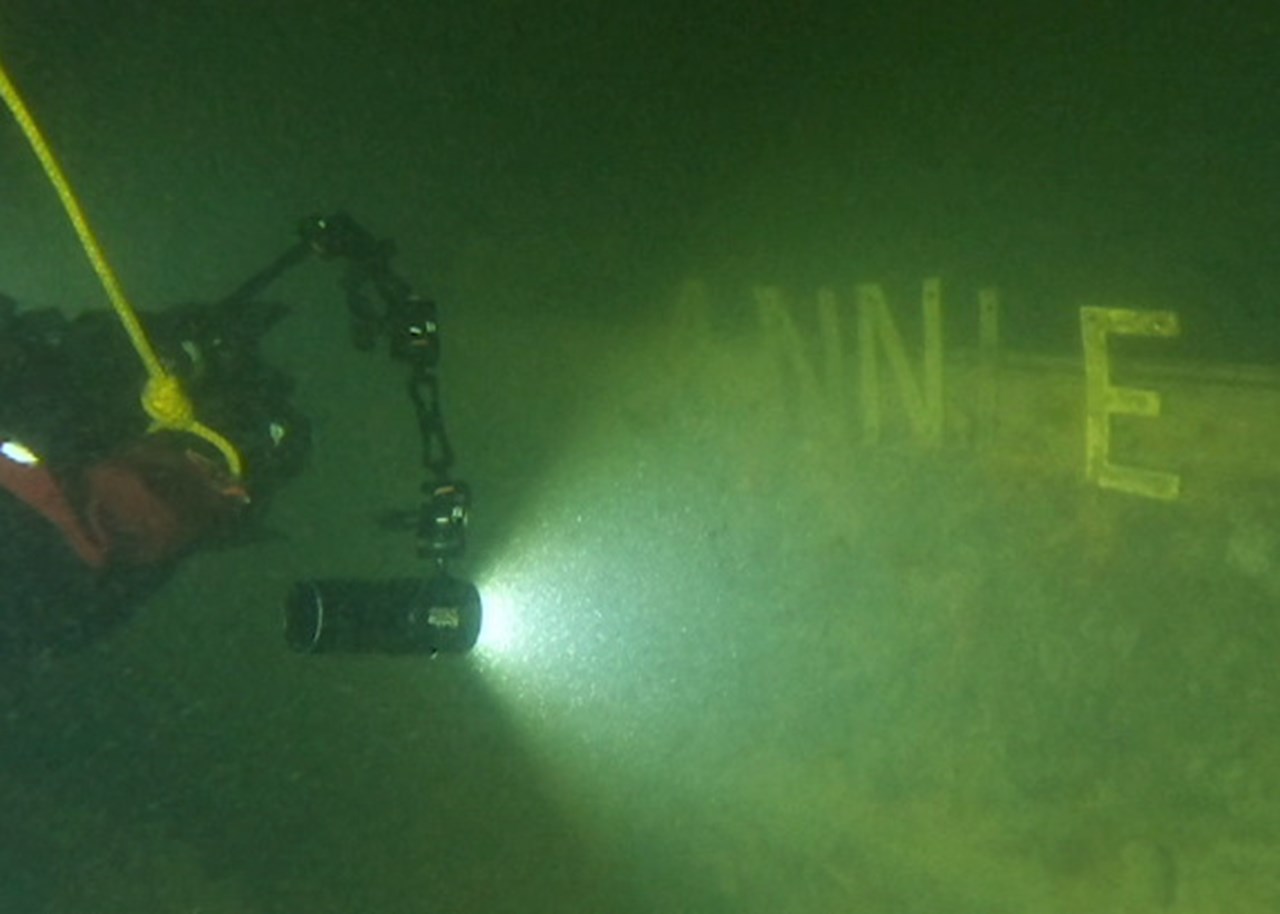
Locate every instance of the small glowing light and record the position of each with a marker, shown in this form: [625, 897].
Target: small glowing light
[19, 453]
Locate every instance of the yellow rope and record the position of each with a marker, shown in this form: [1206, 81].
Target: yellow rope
[162, 398]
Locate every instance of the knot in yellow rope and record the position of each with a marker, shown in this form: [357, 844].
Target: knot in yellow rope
[166, 403]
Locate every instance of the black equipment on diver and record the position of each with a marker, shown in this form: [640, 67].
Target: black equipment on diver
[428, 615]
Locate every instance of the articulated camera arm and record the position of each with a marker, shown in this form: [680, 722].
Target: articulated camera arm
[382, 304]
[408, 322]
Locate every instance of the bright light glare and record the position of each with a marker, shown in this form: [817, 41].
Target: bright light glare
[528, 633]
[498, 629]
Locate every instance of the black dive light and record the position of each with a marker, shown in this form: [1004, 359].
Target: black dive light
[437, 613]
[430, 615]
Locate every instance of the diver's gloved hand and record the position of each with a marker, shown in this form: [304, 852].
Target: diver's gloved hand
[156, 498]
